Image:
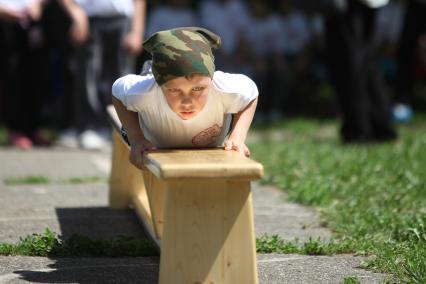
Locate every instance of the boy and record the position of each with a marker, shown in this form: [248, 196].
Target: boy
[183, 102]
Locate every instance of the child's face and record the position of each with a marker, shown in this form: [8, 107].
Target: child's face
[187, 96]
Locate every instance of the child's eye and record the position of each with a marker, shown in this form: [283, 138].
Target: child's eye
[198, 89]
[174, 90]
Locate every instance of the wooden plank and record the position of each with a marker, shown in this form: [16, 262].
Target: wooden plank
[125, 179]
[208, 233]
[240, 244]
[155, 191]
[141, 206]
[202, 163]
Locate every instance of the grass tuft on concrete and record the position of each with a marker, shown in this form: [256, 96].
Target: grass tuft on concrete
[38, 179]
[351, 280]
[51, 244]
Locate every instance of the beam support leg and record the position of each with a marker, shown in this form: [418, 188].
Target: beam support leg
[208, 233]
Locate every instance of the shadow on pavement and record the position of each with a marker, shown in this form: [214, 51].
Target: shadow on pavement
[96, 223]
[99, 222]
[95, 270]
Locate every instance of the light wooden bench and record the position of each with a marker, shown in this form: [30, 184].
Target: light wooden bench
[196, 205]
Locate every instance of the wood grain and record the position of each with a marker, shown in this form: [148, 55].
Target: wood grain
[202, 163]
[208, 233]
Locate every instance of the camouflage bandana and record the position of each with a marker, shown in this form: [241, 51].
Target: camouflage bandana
[182, 52]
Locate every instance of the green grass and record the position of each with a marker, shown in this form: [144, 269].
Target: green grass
[274, 244]
[373, 197]
[84, 180]
[27, 180]
[351, 280]
[50, 244]
[46, 180]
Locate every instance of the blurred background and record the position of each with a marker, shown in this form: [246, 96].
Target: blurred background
[353, 72]
[56, 77]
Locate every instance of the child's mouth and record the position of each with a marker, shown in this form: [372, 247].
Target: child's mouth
[186, 112]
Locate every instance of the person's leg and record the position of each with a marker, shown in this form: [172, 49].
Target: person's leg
[3, 70]
[90, 136]
[56, 24]
[86, 63]
[414, 25]
[380, 111]
[25, 82]
[345, 61]
[37, 72]
[104, 61]
[17, 110]
[116, 61]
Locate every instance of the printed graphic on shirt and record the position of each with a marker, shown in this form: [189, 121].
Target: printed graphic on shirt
[207, 136]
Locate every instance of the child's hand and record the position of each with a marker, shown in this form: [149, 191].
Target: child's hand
[237, 145]
[136, 152]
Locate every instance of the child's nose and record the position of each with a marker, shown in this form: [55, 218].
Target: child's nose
[186, 100]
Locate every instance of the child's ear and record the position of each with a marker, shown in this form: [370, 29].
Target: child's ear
[212, 38]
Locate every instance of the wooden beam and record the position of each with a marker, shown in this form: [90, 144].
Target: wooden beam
[202, 163]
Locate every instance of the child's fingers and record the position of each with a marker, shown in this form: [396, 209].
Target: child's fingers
[228, 145]
[236, 147]
[241, 149]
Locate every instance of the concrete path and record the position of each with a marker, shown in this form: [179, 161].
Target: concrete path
[82, 208]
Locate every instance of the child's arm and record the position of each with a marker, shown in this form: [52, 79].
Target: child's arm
[240, 127]
[138, 143]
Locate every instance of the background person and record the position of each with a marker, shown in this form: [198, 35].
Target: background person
[364, 104]
[23, 72]
[107, 35]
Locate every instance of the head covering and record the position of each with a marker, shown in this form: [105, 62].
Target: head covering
[182, 52]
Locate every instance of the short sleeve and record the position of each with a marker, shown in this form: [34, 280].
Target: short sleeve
[131, 90]
[236, 90]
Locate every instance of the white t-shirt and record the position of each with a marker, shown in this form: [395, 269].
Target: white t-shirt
[230, 93]
[16, 5]
[106, 8]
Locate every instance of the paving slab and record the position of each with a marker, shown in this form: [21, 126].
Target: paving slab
[55, 163]
[83, 208]
[272, 268]
[303, 269]
[275, 215]
[64, 209]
